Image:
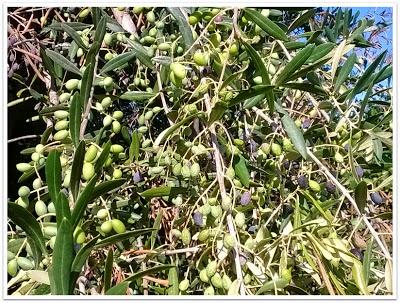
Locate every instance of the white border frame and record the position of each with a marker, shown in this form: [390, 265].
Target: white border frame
[221, 3]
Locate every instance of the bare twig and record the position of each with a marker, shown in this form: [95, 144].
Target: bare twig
[23, 138]
[325, 276]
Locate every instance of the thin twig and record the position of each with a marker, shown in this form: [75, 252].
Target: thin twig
[164, 102]
[325, 276]
[22, 138]
[220, 178]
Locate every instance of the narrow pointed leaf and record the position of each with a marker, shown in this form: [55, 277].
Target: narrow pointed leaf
[75, 114]
[358, 277]
[78, 26]
[217, 112]
[162, 191]
[270, 286]
[62, 209]
[53, 175]
[117, 62]
[63, 62]
[103, 157]
[294, 64]
[320, 51]
[156, 228]
[120, 237]
[295, 135]
[141, 53]
[63, 255]
[82, 256]
[361, 195]
[134, 147]
[118, 290]
[270, 27]
[108, 270]
[301, 19]
[47, 63]
[345, 71]
[184, 26]
[173, 281]
[105, 187]
[142, 273]
[136, 96]
[87, 83]
[73, 34]
[306, 87]
[76, 170]
[245, 95]
[239, 164]
[367, 260]
[24, 219]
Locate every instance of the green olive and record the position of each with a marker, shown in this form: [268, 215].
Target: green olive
[88, 171]
[201, 59]
[118, 226]
[106, 227]
[178, 70]
[91, 153]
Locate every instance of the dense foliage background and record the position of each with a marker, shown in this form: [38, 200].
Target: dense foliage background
[199, 151]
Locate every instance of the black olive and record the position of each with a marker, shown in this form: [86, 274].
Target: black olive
[376, 198]
[359, 171]
[330, 187]
[358, 253]
[245, 198]
[198, 218]
[302, 181]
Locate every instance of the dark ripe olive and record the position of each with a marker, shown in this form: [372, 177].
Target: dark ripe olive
[306, 123]
[286, 164]
[137, 177]
[330, 187]
[245, 198]
[198, 218]
[287, 210]
[376, 198]
[359, 171]
[302, 181]
[252, 229]
[358, 253]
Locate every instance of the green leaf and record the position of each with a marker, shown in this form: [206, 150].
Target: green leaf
[239, 164]
[136, 96]
[82, 201]
[24, 219]
[358, 277]
[103, 157]
[246, 95]
[217, 112]
[49, 111]
[235, 75]
[301, 19]
[75, 113]
[134, 147]
[108, 270]
[295, 135]
[317, 205]
[63, 255]
[184, 26]
[162, 191]
[53, 175]
[367, 77]
[78, 26]
[320, 52]
[156, 228]
[307, 69]
[173, 280]
[277, 283]
[47, 63]
[87, 83]
[293, 65]
[76, 170]
[167, 132]
[62, 209]
[142, 273]
[117, 61]
[119, 289]
[345, 71]
[306, 87]
[63, 62]
[73, 34]
[141, 53]
[105, 187]
[100, 31]
[120, 237]
[360, 194]
[81, 257]
[367, 260]
[266, 24]
[358, 31]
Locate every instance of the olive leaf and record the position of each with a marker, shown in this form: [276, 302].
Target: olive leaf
[73, 34]
[63, 62]
[76, 170]
[184, 26]
[117, 62]
[53, 175]
[75, 113]
[239, 164]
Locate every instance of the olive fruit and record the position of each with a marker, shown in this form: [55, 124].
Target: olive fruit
[64, 97]
[24, 202]
[184, 285]
[245, 198]
[203, 275]
[226, 203]
[215, 39]
[178, 70]
[229, 241]
[116, 149]
[240, 219]
[216, 280]
[137, 10]
[151, 17]
[108, 56]
[108, 81]
[37, 183]
[164, 46]
[106, 227]
[209, 291]
[216, 211]
[24, 191]
[88, 171]
[116, 127]
[314, 186]
[195, 169]
[201, 59]
[376, 198]
[84, 13]
[234, 49]
[330, 187]
[107, 121]
[60, 125]
[148, 115]
[102, 213]
[72, 84]
[10, 255]
[359, 171]
[117, 115]
[23, 167]
[50, 231]
[106, 102]
[276, 149]
[51, 208]
[91, 153]
[186, 236]
[61, 135]
[338, 157]
[79, 235]
[204, 235]
[211, 269]
[226, 282]
[40, 208]
[61, 114]
[117, 174]
[198, 218]
[12, 267]
[36, 156]
[302, 181]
